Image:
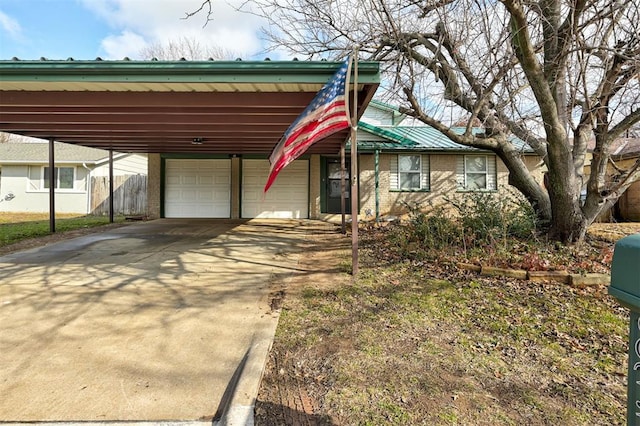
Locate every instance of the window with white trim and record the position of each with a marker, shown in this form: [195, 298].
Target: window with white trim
[476, 173]
[410, 172]
[64, 177]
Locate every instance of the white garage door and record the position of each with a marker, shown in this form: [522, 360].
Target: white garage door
[198, 188]
[288, 197]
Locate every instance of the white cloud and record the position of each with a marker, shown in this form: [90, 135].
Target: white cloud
[160, 21]
[10, 26]
[127, 44]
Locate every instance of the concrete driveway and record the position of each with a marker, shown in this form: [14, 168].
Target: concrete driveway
[163, 320]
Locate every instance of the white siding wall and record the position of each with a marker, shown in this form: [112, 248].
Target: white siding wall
[131, 164]
[385, 118]
[29, 196]
[377, 117]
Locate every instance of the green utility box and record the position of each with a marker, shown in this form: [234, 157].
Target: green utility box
[625, 286]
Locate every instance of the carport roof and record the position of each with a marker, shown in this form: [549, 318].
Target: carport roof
[227, 107]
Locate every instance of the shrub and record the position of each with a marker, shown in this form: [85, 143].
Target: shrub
[489, 217]
[483, 221]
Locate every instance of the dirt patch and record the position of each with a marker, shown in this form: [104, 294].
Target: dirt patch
[285, 396]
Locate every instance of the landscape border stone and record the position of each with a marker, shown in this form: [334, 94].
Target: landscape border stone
[520, 274]
[544, 276]
[583, 280]
[563, 277]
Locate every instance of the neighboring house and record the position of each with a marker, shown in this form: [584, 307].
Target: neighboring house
[626, 153]
[24, 175]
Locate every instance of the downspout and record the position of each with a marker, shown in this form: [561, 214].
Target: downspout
[376, 163]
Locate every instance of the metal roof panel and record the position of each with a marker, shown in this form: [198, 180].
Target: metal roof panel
[420, 138]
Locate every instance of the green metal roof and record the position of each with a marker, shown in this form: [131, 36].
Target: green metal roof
[203, 75]
[418, 138]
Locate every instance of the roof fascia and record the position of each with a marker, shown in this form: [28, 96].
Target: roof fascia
[276, 72]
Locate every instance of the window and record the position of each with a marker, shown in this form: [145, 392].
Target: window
[64, 177]
[477, 173]
[410, 173]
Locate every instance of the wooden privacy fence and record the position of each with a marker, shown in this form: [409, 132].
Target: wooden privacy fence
[129, 195]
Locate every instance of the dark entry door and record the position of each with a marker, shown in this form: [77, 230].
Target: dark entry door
[333, 188]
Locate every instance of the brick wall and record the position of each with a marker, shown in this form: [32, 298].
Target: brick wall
[442, 184]
[153, 186]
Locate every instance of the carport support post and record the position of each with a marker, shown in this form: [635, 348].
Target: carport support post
[111, 186]
[52, 186]
[343, 189]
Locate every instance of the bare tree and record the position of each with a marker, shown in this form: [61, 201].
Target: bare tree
[186, 48]
[562, 75]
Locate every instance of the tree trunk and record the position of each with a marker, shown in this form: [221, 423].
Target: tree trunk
[569, 224]
[522, 180]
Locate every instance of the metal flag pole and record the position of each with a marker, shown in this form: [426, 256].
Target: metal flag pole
[354, 169]
[343, 188]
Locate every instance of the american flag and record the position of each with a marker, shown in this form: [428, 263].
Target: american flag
[325, 115]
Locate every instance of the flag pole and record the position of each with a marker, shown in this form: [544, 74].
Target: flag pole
[354, 169]
[343, 187]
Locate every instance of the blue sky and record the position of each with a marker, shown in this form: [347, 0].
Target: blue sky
[113, 29]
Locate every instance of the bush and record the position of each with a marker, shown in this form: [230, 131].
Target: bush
[489, 217]
[483, 220]
[434, 230]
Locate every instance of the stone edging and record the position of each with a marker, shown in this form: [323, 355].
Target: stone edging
[564, 277]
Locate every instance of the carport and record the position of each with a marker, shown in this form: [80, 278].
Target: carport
[184, 109]
[156, 289]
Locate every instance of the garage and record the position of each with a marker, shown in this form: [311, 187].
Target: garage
[197, 188]
[288, 197]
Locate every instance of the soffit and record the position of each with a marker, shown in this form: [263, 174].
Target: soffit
[233, 107]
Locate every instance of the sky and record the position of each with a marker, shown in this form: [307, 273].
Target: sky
[114, 29]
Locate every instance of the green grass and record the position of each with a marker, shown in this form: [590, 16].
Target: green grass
[409, 349]
[13, 232]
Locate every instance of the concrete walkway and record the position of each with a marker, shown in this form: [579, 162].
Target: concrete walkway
[158, 321]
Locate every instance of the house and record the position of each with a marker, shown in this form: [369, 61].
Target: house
[24, 175]
[625, 155]
[413, 164]
[398, 166]
[208, 128]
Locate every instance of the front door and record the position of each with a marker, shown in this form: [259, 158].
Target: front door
[333, 186]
